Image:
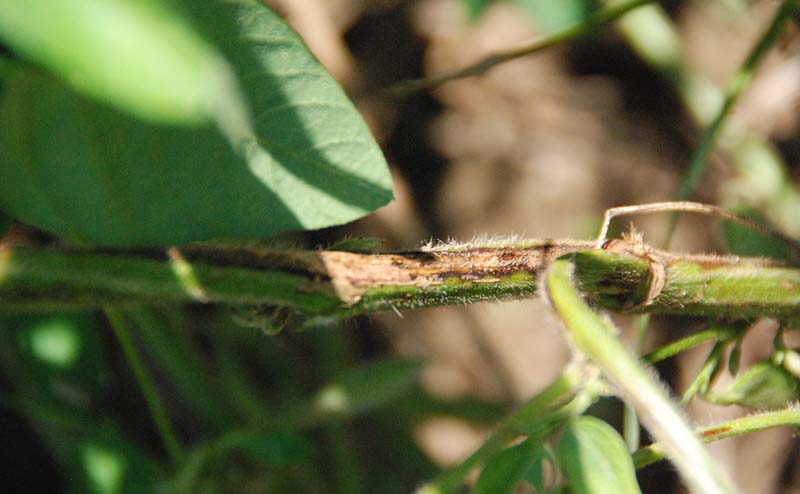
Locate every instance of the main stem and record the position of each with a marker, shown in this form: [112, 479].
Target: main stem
[341, 284]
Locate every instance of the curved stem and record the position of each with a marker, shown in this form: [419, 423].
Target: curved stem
[595, 337]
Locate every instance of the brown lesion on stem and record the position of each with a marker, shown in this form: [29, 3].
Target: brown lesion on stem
[353, 274]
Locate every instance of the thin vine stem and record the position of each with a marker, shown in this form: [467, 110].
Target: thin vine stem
[157, 409]
[716, 333]
[179, 360]
[602, 17]
[736, 87]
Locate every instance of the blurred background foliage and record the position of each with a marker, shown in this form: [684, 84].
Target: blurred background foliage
[538, 146]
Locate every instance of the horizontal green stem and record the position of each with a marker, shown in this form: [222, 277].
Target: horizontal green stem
[50, 278]
[738, 427]
[345, 283]
[708, 286]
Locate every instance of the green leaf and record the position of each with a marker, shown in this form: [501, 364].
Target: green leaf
[110, 464]
[764, 385]
[363, 388]
[5, 223]
[475, 7]
[63, 348]
[240, 458]
[595, 459]
[744, 241]
[139, 56]
[303, 160]
[502, 472]
[552, 15]
[277, 448]
[536, 476]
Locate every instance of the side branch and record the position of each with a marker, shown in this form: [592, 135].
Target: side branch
[604, 16]
[346, 283]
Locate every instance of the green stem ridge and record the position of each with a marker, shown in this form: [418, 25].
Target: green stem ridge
[595, 337]
[332, 283]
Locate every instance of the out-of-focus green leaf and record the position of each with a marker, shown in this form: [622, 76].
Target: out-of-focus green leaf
[5, 223]
[277, 449]
[303, 159]
[595, 459]
[55, 343]
[764, 385]
[475, 7]
[241, 458]
[362, 389]
[56, 367]
[139, 56]
[744, 241]
[536, 475]
[551, 15]
[524, 461]
[59, 355]
[105, 463]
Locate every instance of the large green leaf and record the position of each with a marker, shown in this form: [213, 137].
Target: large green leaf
[171, 75]
[298, 156]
